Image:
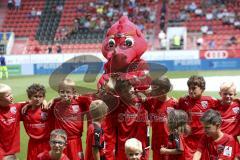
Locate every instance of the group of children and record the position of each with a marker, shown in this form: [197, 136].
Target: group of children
[193, 127]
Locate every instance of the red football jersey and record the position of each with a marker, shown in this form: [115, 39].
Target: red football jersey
[38, 123]
[224, 148]
[46, 156]
[158, 117]
[132, 123]
[10, 129]
[195, 109]
[230, 118]
[69, 117]
[176, 141]
[95, 138]
[109, 126]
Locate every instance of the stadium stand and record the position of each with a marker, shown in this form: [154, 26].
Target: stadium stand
[79, 26]
[210, 15]
[76, 25]
[20, 22]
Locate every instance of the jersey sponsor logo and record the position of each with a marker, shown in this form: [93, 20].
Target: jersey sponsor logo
[13, 110]
[44, 116]
[130, 117]
[196, 113]
[230, 120]
[75, 108]
[97, 134]
[160, 117]
[235, 110]
[8, 121]
[39, 125]
[204, 104]
[227, 151]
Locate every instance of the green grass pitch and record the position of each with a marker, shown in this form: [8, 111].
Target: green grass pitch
[19, 85]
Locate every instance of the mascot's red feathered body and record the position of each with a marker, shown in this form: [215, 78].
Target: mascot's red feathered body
[123, 46]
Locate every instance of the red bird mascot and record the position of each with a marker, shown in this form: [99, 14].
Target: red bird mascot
[123, 46]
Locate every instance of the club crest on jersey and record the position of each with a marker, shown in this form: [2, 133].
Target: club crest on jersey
[227, 151]
[75, 108]
[235, 110]
[13, 110]
[44, 116]
[204, 104]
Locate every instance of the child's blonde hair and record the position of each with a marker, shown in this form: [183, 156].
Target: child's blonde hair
[4, 88]
[133, 144]
[98, 109]
[225, 86]
[66, 83]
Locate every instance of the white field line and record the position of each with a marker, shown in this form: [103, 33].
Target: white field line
[212, 83]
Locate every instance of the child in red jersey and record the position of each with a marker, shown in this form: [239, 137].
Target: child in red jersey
[214, 144]
[229, 109]
[178, 128]
[161, 104]
[133, 149]
[58, 140]
[195, 104]
[132, 120]
[69, 113]
[37, 122]
[95, 135]
[9, 123]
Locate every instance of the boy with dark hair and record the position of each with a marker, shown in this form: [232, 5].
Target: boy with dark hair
[214, 144]
[127, 120]
[195, 104]
[37, 122]
[178, 128]
[95, 135]
[161, 104]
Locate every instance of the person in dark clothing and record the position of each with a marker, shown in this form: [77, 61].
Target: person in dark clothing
[59, 49]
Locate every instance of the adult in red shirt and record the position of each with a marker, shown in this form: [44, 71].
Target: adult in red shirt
[215, 144]
[58, 141]
[161, 104]
[37, 122]
[9, 123]
[195, 104]
[178, 128]
[69, 113]
[132, 121]
[229, 109]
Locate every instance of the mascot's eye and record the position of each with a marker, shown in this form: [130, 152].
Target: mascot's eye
[111, 42]
[129, 41]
